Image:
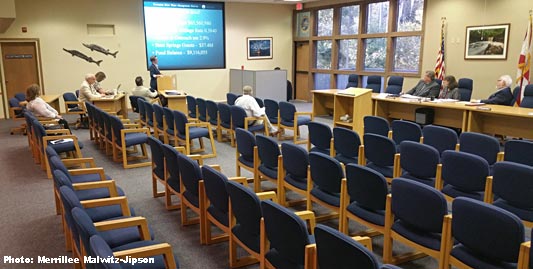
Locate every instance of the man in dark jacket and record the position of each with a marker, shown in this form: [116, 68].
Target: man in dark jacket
[503, 95]
[426, 87]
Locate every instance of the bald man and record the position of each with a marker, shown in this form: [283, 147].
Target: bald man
[87, 90]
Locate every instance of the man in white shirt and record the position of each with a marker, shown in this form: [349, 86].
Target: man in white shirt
[250, 105]
[145, 92]
[87, 90]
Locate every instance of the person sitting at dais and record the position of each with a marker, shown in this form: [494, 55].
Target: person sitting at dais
[449, 89]
[426, 87]
[503, 95]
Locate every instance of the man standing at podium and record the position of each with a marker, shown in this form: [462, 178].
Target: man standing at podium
[154, 73]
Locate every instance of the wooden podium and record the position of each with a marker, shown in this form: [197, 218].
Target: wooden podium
[166, 83]
[355, 102]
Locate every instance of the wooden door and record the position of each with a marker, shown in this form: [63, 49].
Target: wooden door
[20, 66]
[302, 72]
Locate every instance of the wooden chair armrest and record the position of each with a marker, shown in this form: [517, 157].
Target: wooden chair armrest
[88, 171]
[242, 180]
[131, 125]
[303, 113]
[139, 222]
[216, 167]
[500, 156]
[268, 195]
[58, 131]
[48, 121]
[108, 184]
[309, 216]
[136, 130]
[523, 256]
[193, 120]
[197, 124]
[149, 251]
[74, 161]
[127, 121]
[364, 240]
[122, 201]
[181, 149]
[197, 158]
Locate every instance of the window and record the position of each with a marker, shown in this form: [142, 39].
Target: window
[378, 17]
[325, 19]
[407, 54]
[322, 81]
[410, 14]
[350, 20]
[323, 54]
[342, 81]
[375, 54]
[347, 56]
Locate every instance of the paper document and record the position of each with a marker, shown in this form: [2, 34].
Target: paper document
[60, 141]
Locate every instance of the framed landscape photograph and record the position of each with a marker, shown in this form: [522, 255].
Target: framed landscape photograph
[259, 48]
[487, 42]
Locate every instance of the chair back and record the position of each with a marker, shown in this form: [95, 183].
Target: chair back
[519, 151]
[353, 81]
[116, 126]
[441, 138]
[346, 143]
[479, 144]
[366, 187]
[237, 117]
[191, 106]
[418, 205]
[512, 182]
[158, 159]
[259, 101]
[68, 96]
[99, 248]
[245, 144]
[225, 114]
[169, 119]
[287, 234]
[337, 250]
[320, 137]
[141, 108]
[268, 150]
[379, 150]
[271, 110]
[527, 101]
[466, 87]
[326, 172]
[20, 96]
[212, 111]
[439, 81]
[159, 114]
[246, 209]
[172, 168]
[419, 160]
[180, 121]
[202, 109]
[374, 83]
[516, 93]
[405, 131]
[464, 171]
[295, 161]
[230, 98]
[215, 189]
[394, 85]
[190, 175]
[286, 111]
[376, 125]
[149, 110]
[70, 200]
[84, 225]
[134, 103]
[498, 233]
[14, 103]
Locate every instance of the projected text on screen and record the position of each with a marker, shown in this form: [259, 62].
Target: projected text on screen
[185, 35]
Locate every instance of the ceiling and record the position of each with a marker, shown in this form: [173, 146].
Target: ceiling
[272, 1]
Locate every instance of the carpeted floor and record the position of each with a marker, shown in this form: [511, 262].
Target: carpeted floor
[30, 227]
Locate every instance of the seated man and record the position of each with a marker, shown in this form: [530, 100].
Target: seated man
[140, 90]
[426, 87]
[250, 105]
[87, 90]
[503, 95]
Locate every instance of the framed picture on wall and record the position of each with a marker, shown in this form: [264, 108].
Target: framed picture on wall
[259, 48]
[487, 42]
[302, 24]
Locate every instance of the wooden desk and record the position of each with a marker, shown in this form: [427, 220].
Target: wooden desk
[116, 103]
[323, 102]
[503, 120]
[176, 102]
[52, 100]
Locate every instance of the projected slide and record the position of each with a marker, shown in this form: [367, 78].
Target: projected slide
[185, 35]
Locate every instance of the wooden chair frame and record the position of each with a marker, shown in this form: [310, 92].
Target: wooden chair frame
[187, 141]
[66, 135]
[396, 170]
[337, 211]
[439, 184]
[123, 150]
[295, 128]
[168, 191]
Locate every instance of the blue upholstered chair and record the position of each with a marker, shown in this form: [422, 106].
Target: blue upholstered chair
[230, 98]
[245, 218]
[466, 87]
[337, 250]
[259, 101]
[519, 151]
[353, 81]
[269, 161]
[142, 111]
[405, 131]
[378, 153]
[292, 120]
[485, 236]
[511, 187]
[161, 253]
[192, 108]
[320, 138]
[439, 81]
[123, 138]
[185, 132]
[16, 113]
[214, 201]
[394, 85]
[346, 144]
[364, 198]
[376, 125]
[224, 122]
[159, 121]
[190, 176]
[441, 138]
[415, 216]
[527, 101]
[246, 152]
[294, 171]
[463, 174]
[78, 175]
[516, 92]
[418, 162]
[158, 165]
[374, 83]
[149, 110]
[325, 184]
[272, 110]
[134, 103]
[212, 115]
[172, 180]
[20, 96]
[74, 106]
[202, 109]
[168, 125]
[485, 146]
[288, 238]
[239, 119]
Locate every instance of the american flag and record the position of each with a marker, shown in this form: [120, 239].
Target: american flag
[440, 67]
[524, 64]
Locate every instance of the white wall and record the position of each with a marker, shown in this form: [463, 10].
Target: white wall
[63, 24]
